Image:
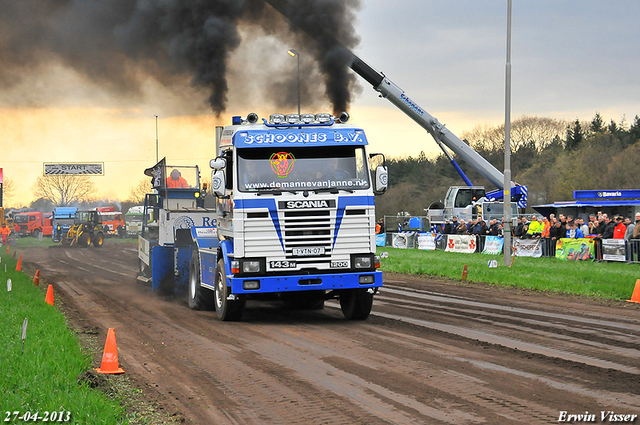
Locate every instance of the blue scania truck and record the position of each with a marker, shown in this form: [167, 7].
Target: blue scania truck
[294, 218]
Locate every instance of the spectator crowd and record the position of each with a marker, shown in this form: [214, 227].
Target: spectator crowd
[599, 226]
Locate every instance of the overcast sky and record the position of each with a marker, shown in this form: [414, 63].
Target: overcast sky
[570, 59]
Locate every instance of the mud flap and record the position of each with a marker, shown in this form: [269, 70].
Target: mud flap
[161, 266]
[181, 260]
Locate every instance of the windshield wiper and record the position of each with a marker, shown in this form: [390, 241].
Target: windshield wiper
[331, 190]
[274, 191]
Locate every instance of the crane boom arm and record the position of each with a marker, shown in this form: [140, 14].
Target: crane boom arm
[440, 133]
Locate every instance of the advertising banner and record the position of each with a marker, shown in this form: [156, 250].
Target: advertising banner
[427, 241]
[575, 249]
[461, 243]
[493, 245]
[613, 250]
[528, 247]
[380, 238]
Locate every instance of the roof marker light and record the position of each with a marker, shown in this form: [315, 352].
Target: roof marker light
[308, 118]
[323, 118]
[293, 118]
[276, 119]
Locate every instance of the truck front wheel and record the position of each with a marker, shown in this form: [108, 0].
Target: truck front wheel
[356, 304]
[199, 298]
[226, 309]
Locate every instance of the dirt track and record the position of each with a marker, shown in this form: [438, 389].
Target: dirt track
[431, 352]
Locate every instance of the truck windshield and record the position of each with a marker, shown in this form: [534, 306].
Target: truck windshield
[182, 177]
[21, 218]
[304, 168]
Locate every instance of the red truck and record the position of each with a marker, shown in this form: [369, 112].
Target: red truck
[32, 223]
[112, 221]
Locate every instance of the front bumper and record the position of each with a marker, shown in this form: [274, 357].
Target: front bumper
[317, 282]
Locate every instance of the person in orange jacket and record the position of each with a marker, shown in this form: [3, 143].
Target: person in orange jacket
[4, 233]
[546, 227]
[176, 181]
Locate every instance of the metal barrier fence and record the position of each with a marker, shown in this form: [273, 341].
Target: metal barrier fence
[632, 247]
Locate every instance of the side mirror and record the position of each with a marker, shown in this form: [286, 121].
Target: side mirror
[219, 183]
[381, 181]
[218, 164]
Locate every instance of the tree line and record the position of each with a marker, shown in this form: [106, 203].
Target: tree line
[551, 157]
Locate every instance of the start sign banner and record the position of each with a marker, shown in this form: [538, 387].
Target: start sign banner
[95, 169]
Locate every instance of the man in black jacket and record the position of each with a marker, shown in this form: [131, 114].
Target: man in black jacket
[521, 228]
[608, 229]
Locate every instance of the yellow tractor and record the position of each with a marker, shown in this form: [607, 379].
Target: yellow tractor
[86, 230]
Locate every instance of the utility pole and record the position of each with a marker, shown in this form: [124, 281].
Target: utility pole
[156, 138]
[506, 249]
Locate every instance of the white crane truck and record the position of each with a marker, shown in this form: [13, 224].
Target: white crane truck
[294, 219]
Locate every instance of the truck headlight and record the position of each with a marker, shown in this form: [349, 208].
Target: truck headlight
[251, 266]
[360, 262]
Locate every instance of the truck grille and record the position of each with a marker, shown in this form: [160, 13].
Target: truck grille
[310, 229]
[305, 229]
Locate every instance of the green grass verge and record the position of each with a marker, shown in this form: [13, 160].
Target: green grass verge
[603, 280]
[45, 378]
[55, 371]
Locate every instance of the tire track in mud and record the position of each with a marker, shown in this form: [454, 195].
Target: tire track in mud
[574, 337]
[429, 353]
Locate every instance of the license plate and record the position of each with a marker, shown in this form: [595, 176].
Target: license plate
[308, 252]
[282, 264]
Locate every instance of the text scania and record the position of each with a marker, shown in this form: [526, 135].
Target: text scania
[307, 204]
[311, 137]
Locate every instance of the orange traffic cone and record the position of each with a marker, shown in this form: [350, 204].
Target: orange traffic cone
[19, 265]
[49, 298]
[635, 297]
[464, 273]
[36, 278]
[8, 249]
[110, 355]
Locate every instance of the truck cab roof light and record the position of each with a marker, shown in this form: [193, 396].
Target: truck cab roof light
[293, 118]
[307, 118]
[323, 118]
[236, 120]
[276, 119]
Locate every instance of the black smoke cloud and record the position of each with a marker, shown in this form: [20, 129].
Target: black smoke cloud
[119, 43]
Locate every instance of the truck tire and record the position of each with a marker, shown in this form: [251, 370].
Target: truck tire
[36, 233]
[199, 298]
[227, 310]
[356, 304]
[98, 239]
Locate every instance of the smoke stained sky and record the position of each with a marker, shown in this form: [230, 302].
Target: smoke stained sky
[79, 82]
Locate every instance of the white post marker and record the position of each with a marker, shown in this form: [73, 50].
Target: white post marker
[24, 333]
[9, 288]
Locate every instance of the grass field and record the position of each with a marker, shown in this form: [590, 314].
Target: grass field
[45, 377]
[55, 373]
[604, 280]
